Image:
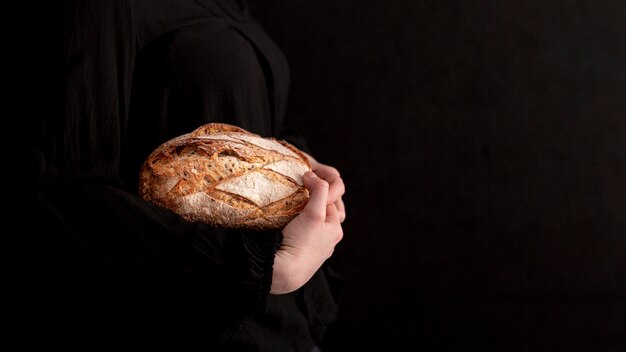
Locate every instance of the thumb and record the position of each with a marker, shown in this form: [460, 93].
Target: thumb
[318, 189]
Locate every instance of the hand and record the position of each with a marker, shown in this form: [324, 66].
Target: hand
[337, 187]
[308, 240]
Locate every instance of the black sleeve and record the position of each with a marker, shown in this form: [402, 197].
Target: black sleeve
[115, 262]
[94, 253]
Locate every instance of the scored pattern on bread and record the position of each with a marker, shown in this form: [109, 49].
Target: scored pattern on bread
[225, 176]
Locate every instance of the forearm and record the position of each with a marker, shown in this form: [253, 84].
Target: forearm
[214, 277]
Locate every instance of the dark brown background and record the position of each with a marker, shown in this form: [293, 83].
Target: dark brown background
[483, 144]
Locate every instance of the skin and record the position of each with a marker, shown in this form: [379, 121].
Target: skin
[310, 238]
[337, 187]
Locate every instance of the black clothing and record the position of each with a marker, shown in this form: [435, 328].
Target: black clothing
[115, 79]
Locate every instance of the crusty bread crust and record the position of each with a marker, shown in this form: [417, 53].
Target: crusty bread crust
[225, 176]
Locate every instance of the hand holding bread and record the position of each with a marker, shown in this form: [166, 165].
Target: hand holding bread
[309, 239]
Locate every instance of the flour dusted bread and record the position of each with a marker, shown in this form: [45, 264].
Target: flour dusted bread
[226, 176]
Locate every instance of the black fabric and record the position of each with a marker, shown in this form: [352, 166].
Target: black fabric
[110, 81]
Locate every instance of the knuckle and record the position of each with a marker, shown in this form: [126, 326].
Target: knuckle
[322, 184]
[339, 235]
[316, 218]
[342, 187]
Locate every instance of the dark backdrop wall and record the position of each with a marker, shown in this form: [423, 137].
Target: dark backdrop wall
[483, 144]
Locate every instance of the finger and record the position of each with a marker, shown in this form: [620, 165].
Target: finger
[331, 213]
[324, 171]
[318, 195]
[336, 189]
[332, 176]
[341, 210]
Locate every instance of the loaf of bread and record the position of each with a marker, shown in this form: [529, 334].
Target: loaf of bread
[225, 176]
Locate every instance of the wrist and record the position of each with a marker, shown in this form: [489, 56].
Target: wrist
[286, 276]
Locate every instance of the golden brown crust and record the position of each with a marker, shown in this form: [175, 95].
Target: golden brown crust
[216, 128]
[226, 176]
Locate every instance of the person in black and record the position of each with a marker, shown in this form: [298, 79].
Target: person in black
[109, 82]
